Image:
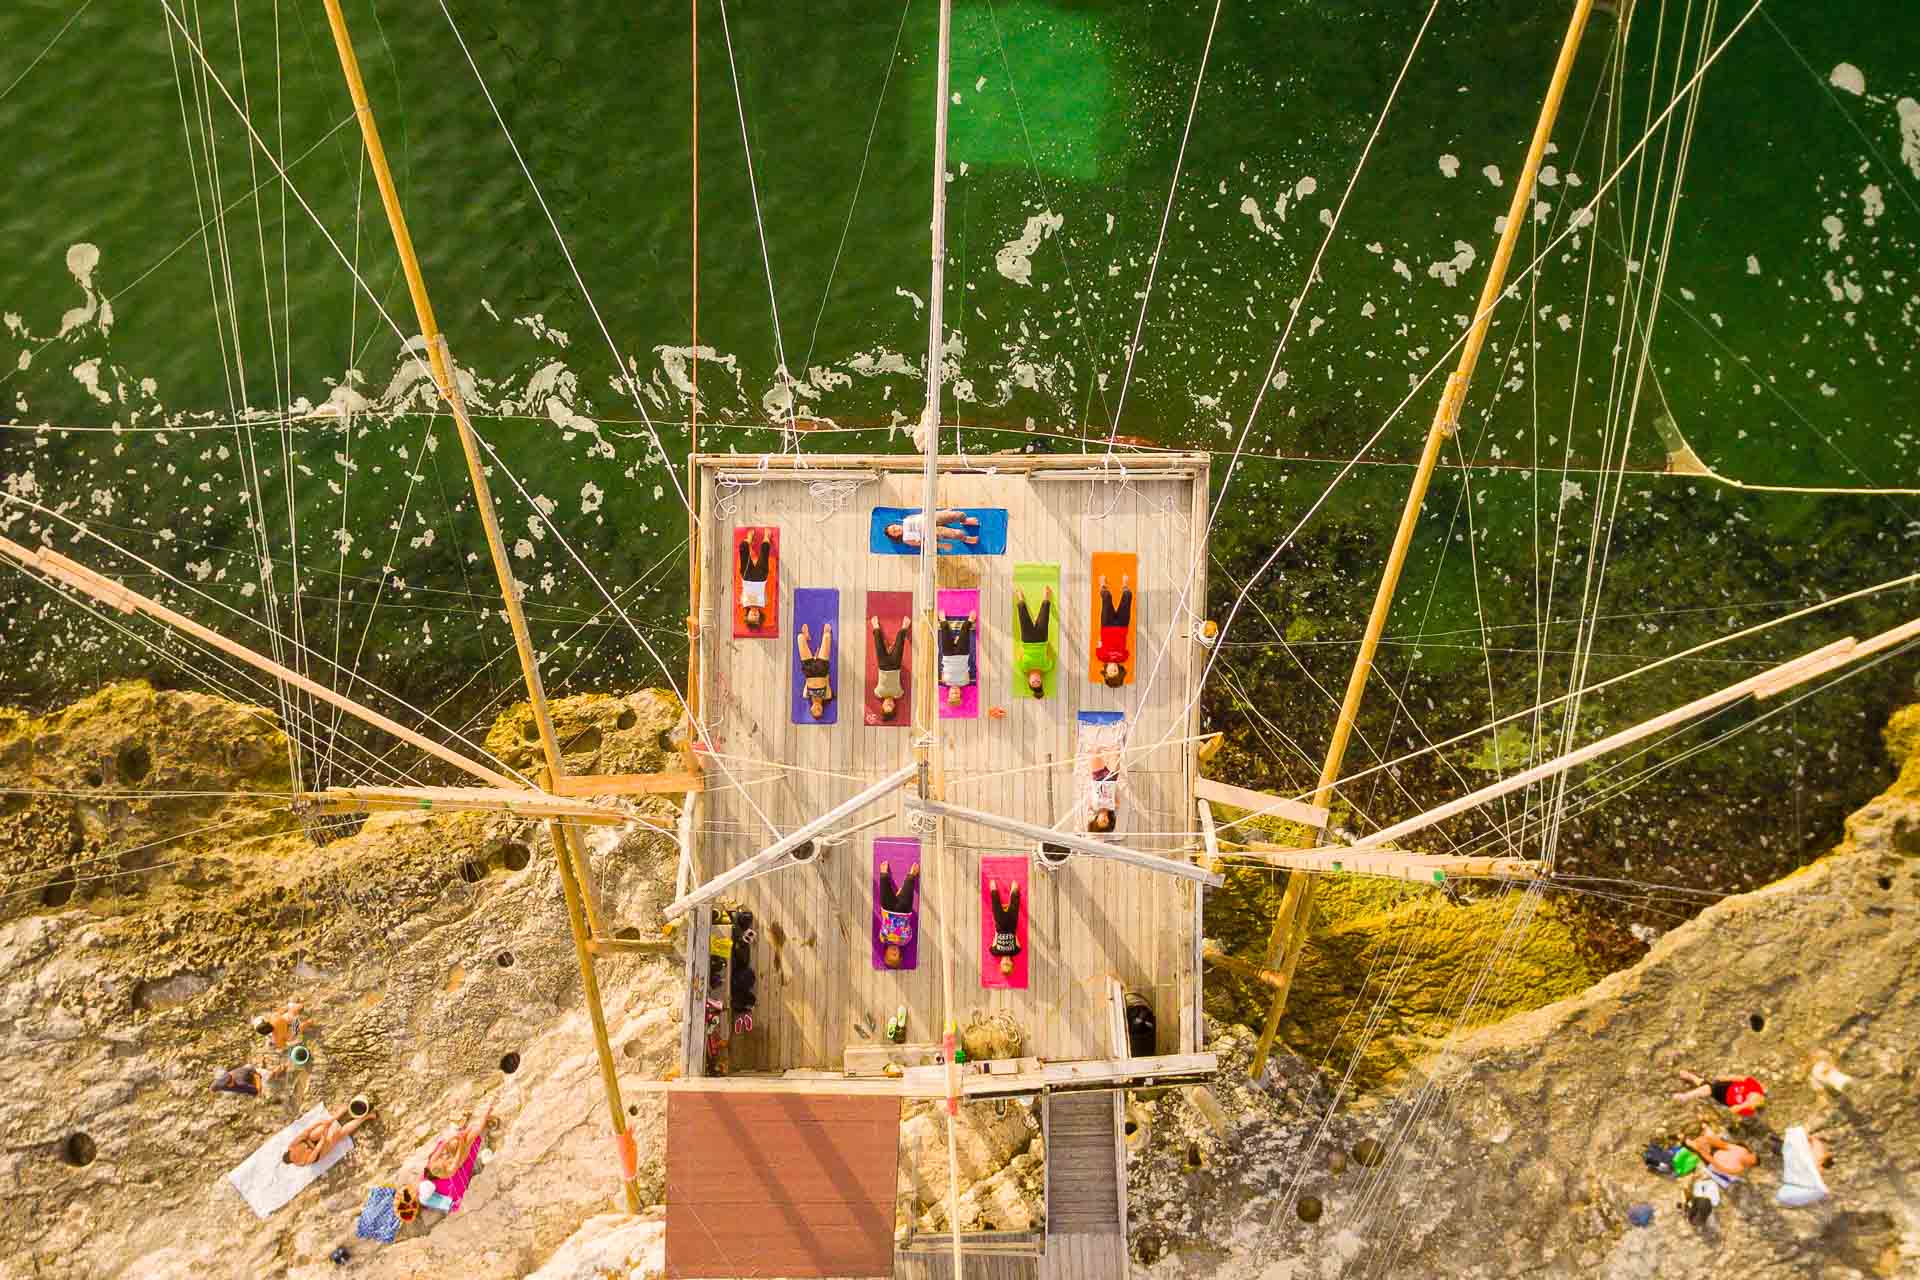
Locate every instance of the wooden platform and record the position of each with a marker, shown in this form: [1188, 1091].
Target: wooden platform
[780, 1186]
[1089, 920]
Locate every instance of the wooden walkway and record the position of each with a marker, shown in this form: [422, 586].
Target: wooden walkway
[1083, 1163]
[1089, 920]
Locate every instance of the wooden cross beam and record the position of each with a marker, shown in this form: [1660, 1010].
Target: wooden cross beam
[1077, 843]
[521, 804]
[1428, 868]
[631, 784]
[781, 851]
[76, 576]
[1259, 804]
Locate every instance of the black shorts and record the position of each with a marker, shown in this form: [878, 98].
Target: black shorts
[1719, 1091]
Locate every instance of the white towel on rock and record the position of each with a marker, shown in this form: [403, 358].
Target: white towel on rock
[266, 1182]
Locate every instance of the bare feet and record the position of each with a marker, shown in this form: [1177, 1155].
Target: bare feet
[874, 622]
[974, 616]
[1047, 593]
[905, 623]
[1019, 596]
[914, 870]
[1103, 582]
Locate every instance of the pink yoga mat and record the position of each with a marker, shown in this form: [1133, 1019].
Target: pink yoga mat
[958, 603]
[1008, 871]
[899, 853]
[889, 607]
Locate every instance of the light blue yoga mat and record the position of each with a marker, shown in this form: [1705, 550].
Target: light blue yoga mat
[992, 532]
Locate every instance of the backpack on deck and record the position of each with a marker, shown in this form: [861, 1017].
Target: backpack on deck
[1658, 1157]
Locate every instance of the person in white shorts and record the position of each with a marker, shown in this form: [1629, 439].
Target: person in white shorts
[950, 525]
[755, 568]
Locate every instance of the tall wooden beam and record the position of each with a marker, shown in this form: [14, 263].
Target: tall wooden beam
[76, 576]
[1767, 683]
[1289, 926]
[572, 864]
[1435, 868]
[1259, 804]
[518, 803]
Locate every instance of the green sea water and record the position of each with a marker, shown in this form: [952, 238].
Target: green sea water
[175, 312]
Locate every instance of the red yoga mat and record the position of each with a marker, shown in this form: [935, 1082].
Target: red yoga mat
[893, 608]
[770, 625]
[1006, 872]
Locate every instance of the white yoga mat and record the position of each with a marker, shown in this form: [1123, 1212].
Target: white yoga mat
[1800, 1180]
[266, 1182]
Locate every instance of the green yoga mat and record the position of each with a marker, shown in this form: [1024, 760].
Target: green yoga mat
[1034, 579]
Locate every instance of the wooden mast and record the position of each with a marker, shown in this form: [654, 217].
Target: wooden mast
[927, 746]
[567, 853]
[1290, 924]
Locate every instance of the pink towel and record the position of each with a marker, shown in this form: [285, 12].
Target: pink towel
[454, 1185]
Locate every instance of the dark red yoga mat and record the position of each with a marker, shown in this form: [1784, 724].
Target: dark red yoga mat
[894, 609]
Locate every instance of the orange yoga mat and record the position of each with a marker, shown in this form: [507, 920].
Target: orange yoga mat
[1114, 565]
[770, 625]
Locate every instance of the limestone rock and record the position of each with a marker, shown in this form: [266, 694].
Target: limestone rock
[426, 947]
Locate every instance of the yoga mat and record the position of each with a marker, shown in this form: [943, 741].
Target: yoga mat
[958, 603]
[1006, 871]
[901, 852]
[770, 627]
[266, 1182]
[1098, 729]
[992, 532]
[814, 608]
[890, 607]
[1033, 579]
[1114, 564]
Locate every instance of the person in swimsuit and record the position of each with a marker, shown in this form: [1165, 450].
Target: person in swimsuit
[1103, 795]
[951, 527]
[1006, 924]
[1111, 651]
[285, 1027]
[755, 568]
[1742, 1095]
[1035, 654]
[817, 669]
[1725, 1161]
[897, 905]
[321, 1136]
[956, 655]
[888, 658]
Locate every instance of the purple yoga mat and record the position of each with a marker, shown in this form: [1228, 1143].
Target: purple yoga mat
[958, 603]
[901, 852]
[814, 608]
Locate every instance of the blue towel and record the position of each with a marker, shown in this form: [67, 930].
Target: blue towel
[378, 1220]
[992, 533]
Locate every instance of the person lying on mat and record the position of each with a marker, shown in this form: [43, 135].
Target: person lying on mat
[950, 525]
[320, 1137]
[817, 668]
[452, 1152]
[1111, 650]
[756, 566]
[956, 655]
[1006, 924]
[897, 903]
[886, 685]
[1035, 654]
[1103, 793]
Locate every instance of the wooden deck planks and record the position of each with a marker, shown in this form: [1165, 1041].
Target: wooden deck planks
[1088, 920]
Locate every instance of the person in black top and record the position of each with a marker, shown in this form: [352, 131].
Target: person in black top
[755, 567]
[897, 906]
[816, 668]
[956, 655]
[1006, 924]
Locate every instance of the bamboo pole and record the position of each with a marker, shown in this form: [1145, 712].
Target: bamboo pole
[1290, 924]
[572, 862]
[78, 577]
[694, 638]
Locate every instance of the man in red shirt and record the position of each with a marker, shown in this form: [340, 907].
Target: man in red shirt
[1742, 1095]
[1111, 651]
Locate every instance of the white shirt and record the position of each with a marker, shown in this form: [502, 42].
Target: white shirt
[913, 530]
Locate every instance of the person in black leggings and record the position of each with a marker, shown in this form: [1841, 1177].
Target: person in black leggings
[897, 905]
[1006, 924]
